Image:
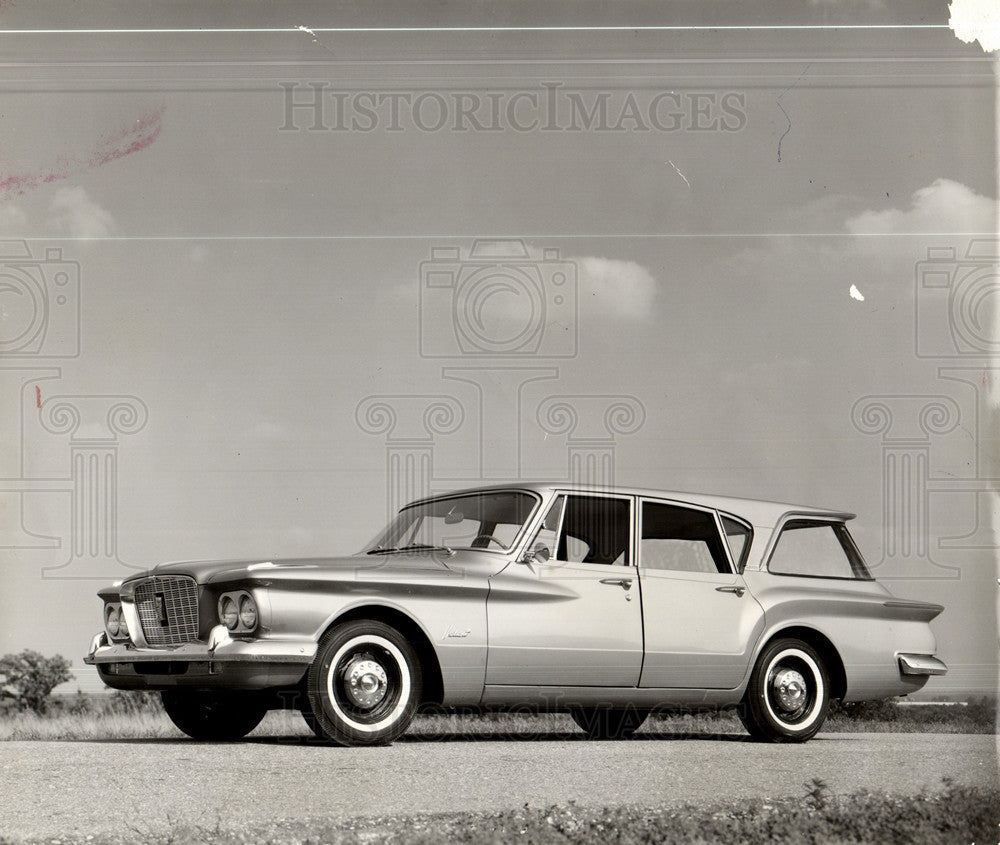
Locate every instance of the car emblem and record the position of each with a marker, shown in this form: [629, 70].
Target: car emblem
[458, 633]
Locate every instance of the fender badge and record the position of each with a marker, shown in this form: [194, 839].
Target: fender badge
[458, 633]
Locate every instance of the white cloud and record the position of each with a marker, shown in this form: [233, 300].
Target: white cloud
[73, 212]
[13, 220]
[943, 206]
[620, 288]
[199, 254]
[976, 20]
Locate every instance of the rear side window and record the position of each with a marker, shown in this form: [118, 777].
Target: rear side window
[680, 540]
[817, 549]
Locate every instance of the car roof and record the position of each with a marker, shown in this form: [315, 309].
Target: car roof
[755, 511]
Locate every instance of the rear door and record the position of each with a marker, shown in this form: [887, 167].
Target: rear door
[699, 621]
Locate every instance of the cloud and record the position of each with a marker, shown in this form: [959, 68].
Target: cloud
[199, 254]
[976, 20]
[943, 206]
[620, 288]
[74, 213]
[13, 220]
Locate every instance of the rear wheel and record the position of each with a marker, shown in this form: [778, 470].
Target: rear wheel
[364, 685]
[221, 715]
[608, 722]
[788, 696]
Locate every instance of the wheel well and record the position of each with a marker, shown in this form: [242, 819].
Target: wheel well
[826, 650]
[433, 685]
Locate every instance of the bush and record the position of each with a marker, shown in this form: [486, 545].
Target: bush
[27, 679]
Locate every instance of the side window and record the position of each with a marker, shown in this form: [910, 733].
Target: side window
[594, 530]
[680, 539]
[820, 549]
[738, 536]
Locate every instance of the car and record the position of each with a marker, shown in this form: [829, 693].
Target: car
[607, 603]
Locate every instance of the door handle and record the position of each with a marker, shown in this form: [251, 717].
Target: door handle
[624, 583]
[735, 589]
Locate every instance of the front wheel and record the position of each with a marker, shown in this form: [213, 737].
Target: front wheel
[607, 722]
[788, 695]
[364, 685]
[218, 715]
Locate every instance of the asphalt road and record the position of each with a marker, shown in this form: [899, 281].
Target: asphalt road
[48, 789]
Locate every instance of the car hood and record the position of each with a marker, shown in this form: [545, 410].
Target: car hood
[402, 564]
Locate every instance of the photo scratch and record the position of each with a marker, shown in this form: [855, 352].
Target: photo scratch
[677, 170]
[787, 118]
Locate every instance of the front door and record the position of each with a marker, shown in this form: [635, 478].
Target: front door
[575, 620]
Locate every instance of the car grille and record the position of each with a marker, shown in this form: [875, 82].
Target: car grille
[168, 609]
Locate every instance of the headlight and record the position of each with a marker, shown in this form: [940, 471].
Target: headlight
[228, 614]
[122, 624]
[112, 619]
[248, 612]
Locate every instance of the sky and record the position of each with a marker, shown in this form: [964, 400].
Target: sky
[750, 261]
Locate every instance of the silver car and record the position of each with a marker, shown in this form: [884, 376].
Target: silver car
[606, 603]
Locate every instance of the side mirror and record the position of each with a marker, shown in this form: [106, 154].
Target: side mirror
[539, 554]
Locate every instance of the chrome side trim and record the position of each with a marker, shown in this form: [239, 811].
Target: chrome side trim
[921, 664]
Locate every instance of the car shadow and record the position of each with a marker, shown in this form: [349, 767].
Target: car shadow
[427, 738]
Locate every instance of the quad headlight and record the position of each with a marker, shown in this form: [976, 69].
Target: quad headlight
[248, 612]
[238, 612]
[114, 621]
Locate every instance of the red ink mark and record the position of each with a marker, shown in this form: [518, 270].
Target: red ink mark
[38, 396]
[125, 141]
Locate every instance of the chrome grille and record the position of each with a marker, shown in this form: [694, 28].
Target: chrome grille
[168, 609]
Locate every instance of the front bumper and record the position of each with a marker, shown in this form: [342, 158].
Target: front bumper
[221, 663]
[921, 664]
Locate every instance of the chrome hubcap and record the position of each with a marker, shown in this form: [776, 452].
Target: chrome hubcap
[789, 689]
[365, 682]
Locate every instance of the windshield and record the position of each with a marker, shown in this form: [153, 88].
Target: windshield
[475, 521]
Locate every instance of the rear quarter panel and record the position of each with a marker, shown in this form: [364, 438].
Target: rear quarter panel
[854, 616]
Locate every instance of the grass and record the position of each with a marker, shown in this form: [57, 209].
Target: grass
[139, 715]
[955, 814]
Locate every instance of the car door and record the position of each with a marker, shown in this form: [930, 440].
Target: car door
[575, 619]
[700, 622]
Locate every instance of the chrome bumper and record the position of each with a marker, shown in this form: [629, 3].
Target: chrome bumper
[220, 663]
[220, 648]
[921, 664]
